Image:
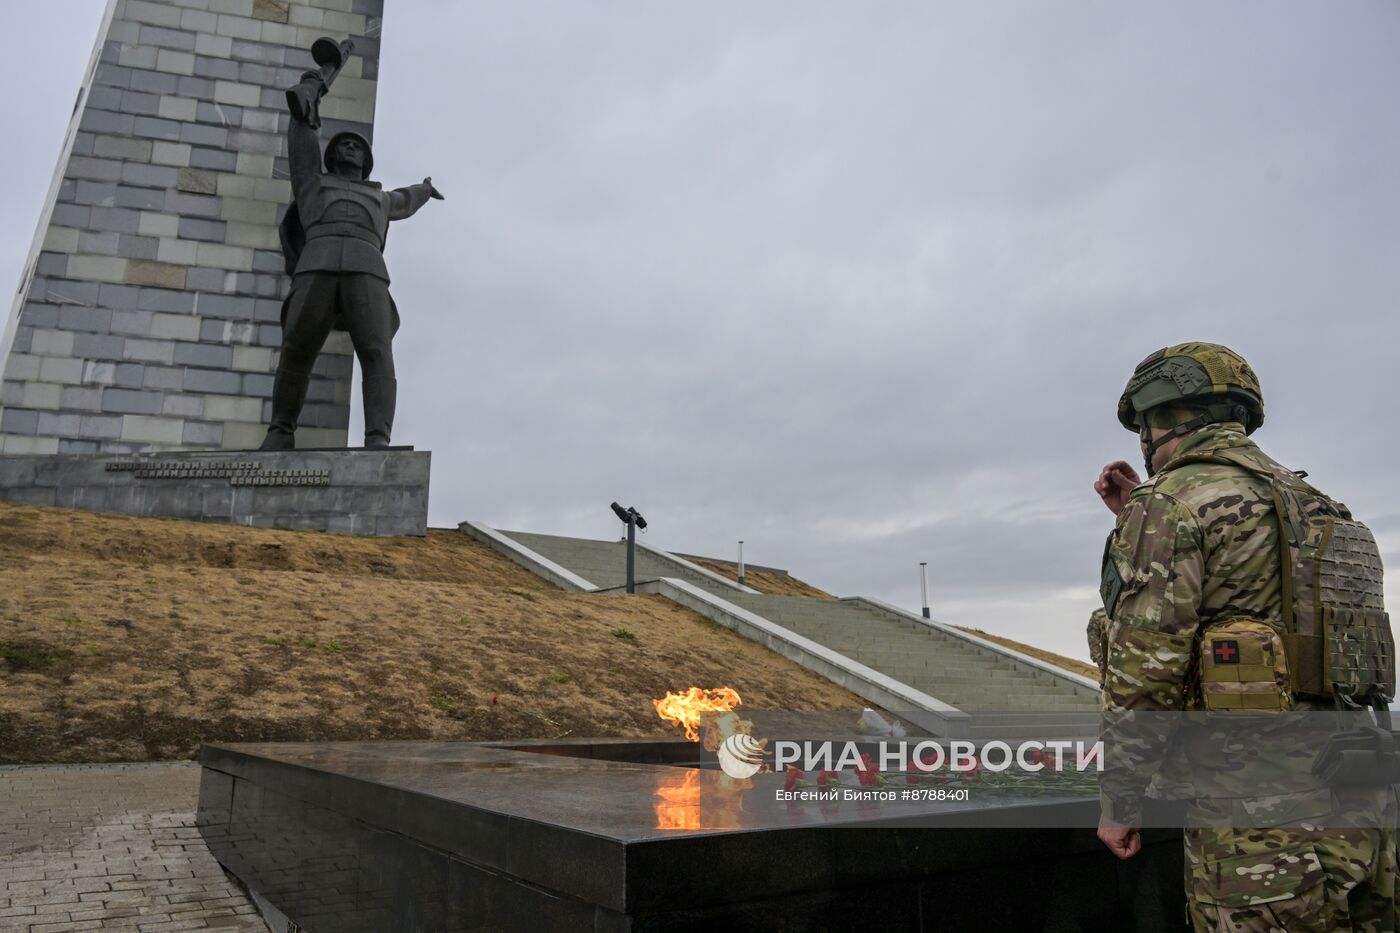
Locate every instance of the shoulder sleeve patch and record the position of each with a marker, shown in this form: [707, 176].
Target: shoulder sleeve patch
[1111, 583]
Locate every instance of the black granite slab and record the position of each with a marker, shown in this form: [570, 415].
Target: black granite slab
[611, 835]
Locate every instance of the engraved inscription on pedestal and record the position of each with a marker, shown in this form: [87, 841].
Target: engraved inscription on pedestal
[238, 474]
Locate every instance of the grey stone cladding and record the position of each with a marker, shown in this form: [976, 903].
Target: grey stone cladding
[358, 492]
[149, 313]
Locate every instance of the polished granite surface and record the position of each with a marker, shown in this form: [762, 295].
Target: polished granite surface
[562, 835]
[582, 786]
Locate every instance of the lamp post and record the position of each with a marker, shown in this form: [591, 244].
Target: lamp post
[741, 563]
[634, 520]
[923, 586]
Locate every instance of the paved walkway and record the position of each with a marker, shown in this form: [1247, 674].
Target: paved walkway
[110, 847]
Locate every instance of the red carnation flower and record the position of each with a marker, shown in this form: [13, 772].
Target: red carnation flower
[867, 773]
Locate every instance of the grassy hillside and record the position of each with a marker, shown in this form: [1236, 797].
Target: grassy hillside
[127, 638]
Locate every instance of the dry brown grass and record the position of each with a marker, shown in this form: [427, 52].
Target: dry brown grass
[127, 639]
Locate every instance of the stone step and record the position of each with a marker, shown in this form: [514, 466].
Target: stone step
[1020, 700]
[1010, 734]
[942, 689]
[973, 673]
[924, 651]
[938, 687]
[1033, 721]
[1005, 704]
[1022, 704]
[867, 626]
[953, 674]
[954, 667]
[934, 644]
[857, 623]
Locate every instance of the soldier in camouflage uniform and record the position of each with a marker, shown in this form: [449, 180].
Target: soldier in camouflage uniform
[1196, 550]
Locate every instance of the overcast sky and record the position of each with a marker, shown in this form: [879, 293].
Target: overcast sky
[858, 283]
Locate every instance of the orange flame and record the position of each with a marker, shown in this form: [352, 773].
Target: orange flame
[690, 708]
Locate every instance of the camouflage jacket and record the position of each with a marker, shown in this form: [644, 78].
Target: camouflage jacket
[1196, 544]
[1097, 633]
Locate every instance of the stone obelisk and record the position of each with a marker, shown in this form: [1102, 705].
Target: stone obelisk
[148, 315]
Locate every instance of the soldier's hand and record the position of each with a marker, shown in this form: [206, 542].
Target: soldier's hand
[1122, 841]
[1115, 482]
[303, 97]
[433, 192]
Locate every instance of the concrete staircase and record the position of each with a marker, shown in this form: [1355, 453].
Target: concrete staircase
[957, 668]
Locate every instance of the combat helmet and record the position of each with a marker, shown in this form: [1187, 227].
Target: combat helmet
[350, 134]
[1211, 381]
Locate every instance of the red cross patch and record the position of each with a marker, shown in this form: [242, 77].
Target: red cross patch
[1225, 651]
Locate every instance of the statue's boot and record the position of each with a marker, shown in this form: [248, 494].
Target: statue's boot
[381, 395]
[288, 395]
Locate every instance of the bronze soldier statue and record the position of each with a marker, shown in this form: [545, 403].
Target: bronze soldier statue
[333, 240]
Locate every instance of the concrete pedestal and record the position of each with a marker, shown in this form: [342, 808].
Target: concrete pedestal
[360, 491]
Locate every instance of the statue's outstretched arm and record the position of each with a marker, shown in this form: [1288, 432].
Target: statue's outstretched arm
[404, 202]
